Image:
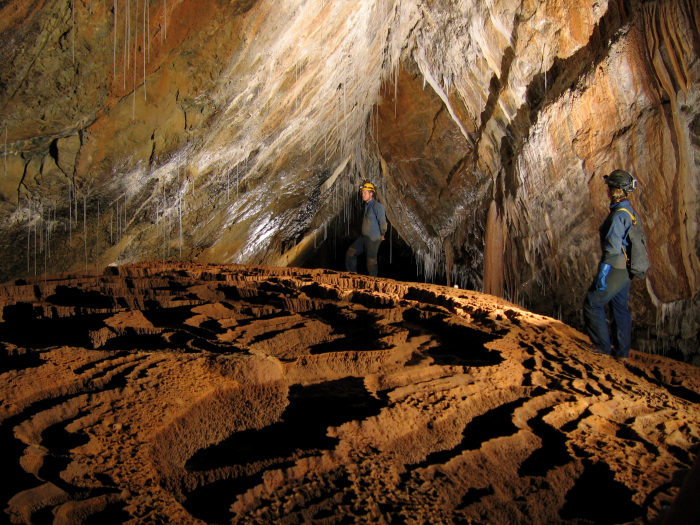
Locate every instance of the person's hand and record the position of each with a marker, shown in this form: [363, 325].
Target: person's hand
[382, 237]
[603, 270]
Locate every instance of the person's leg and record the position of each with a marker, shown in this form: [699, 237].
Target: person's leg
[356, 248]
[620, 280]
[372, 253]
[596, 321]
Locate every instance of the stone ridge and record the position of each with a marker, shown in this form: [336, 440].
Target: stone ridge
[210, 393]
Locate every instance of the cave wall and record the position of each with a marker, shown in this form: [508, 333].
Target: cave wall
[238, 132]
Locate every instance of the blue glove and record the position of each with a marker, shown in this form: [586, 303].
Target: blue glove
[603, 270]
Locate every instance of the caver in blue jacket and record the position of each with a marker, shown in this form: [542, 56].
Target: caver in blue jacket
[374, 221]
[373, 229]
[613, 235]
[612, 282]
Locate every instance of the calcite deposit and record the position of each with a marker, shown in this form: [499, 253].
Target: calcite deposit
[239, 132]
[190, 393]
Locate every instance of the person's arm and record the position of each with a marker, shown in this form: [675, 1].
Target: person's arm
[612, 246]
[381, 220]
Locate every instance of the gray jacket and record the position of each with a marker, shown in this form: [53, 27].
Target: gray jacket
[374, 220]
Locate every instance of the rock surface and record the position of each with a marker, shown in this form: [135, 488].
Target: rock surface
[191, 393]
[239, 131]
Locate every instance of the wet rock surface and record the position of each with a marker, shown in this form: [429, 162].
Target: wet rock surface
[206, 393]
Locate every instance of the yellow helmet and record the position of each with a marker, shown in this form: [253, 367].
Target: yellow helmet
[368, 186]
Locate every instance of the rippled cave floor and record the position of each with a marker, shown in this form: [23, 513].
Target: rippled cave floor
[169, 392]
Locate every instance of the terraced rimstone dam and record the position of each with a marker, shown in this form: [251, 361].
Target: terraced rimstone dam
[169, 392]
[239, 132]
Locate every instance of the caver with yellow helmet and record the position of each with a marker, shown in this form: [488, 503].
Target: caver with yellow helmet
[373, 229]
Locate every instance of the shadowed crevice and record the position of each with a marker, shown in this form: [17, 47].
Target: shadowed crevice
[302, 431]
[597, 497]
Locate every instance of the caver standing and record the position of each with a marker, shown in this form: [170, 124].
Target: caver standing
[373, 229]
[612, 282]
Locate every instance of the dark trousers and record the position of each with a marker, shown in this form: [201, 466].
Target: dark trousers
[617, 295]
[361, 245]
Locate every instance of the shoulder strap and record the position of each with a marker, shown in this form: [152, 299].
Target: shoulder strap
[374, 201]
[634, 219]
[634, 223]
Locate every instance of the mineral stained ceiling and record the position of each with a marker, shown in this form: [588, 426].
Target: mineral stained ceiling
[238, 131]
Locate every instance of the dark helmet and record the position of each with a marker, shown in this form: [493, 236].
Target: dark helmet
[621, 179]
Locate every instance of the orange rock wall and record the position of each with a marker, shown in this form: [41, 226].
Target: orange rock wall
[238, 132]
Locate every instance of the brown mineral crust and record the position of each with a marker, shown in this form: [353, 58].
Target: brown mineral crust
[202, 393]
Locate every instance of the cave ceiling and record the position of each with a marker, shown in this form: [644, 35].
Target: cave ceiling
[239, 131]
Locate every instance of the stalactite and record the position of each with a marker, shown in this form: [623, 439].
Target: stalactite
[136, 44]
[144, 49]
[119, 222]
[97, 231]
[180, 221]
[391, 246]
[148, 25]
[41, 229]
[72, 15]
[70, 215]
[127, 54]
[169, 232]
[46, 255]
[127, 35]
[35, 243]
[85, 228]
[114, 58]
[75, 202]
[545, 67]
[29, 239]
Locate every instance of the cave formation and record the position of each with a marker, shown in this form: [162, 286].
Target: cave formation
[240, 131]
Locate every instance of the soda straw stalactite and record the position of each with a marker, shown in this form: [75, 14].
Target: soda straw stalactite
[85, 228]
[126, 41]
[143, 51]
[35, 240]
[119, 222]
[29, 239]
[46, 245]
[136, 47]
[72, 16]
[180, 214]
[97, 232]
[40, 209]
[169, 240]
[148, 25]
[391, 247]
[70, 215]
[114, 58]
[75, 200]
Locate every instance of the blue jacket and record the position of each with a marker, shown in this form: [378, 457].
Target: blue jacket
[374, 220]
[613, 235]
